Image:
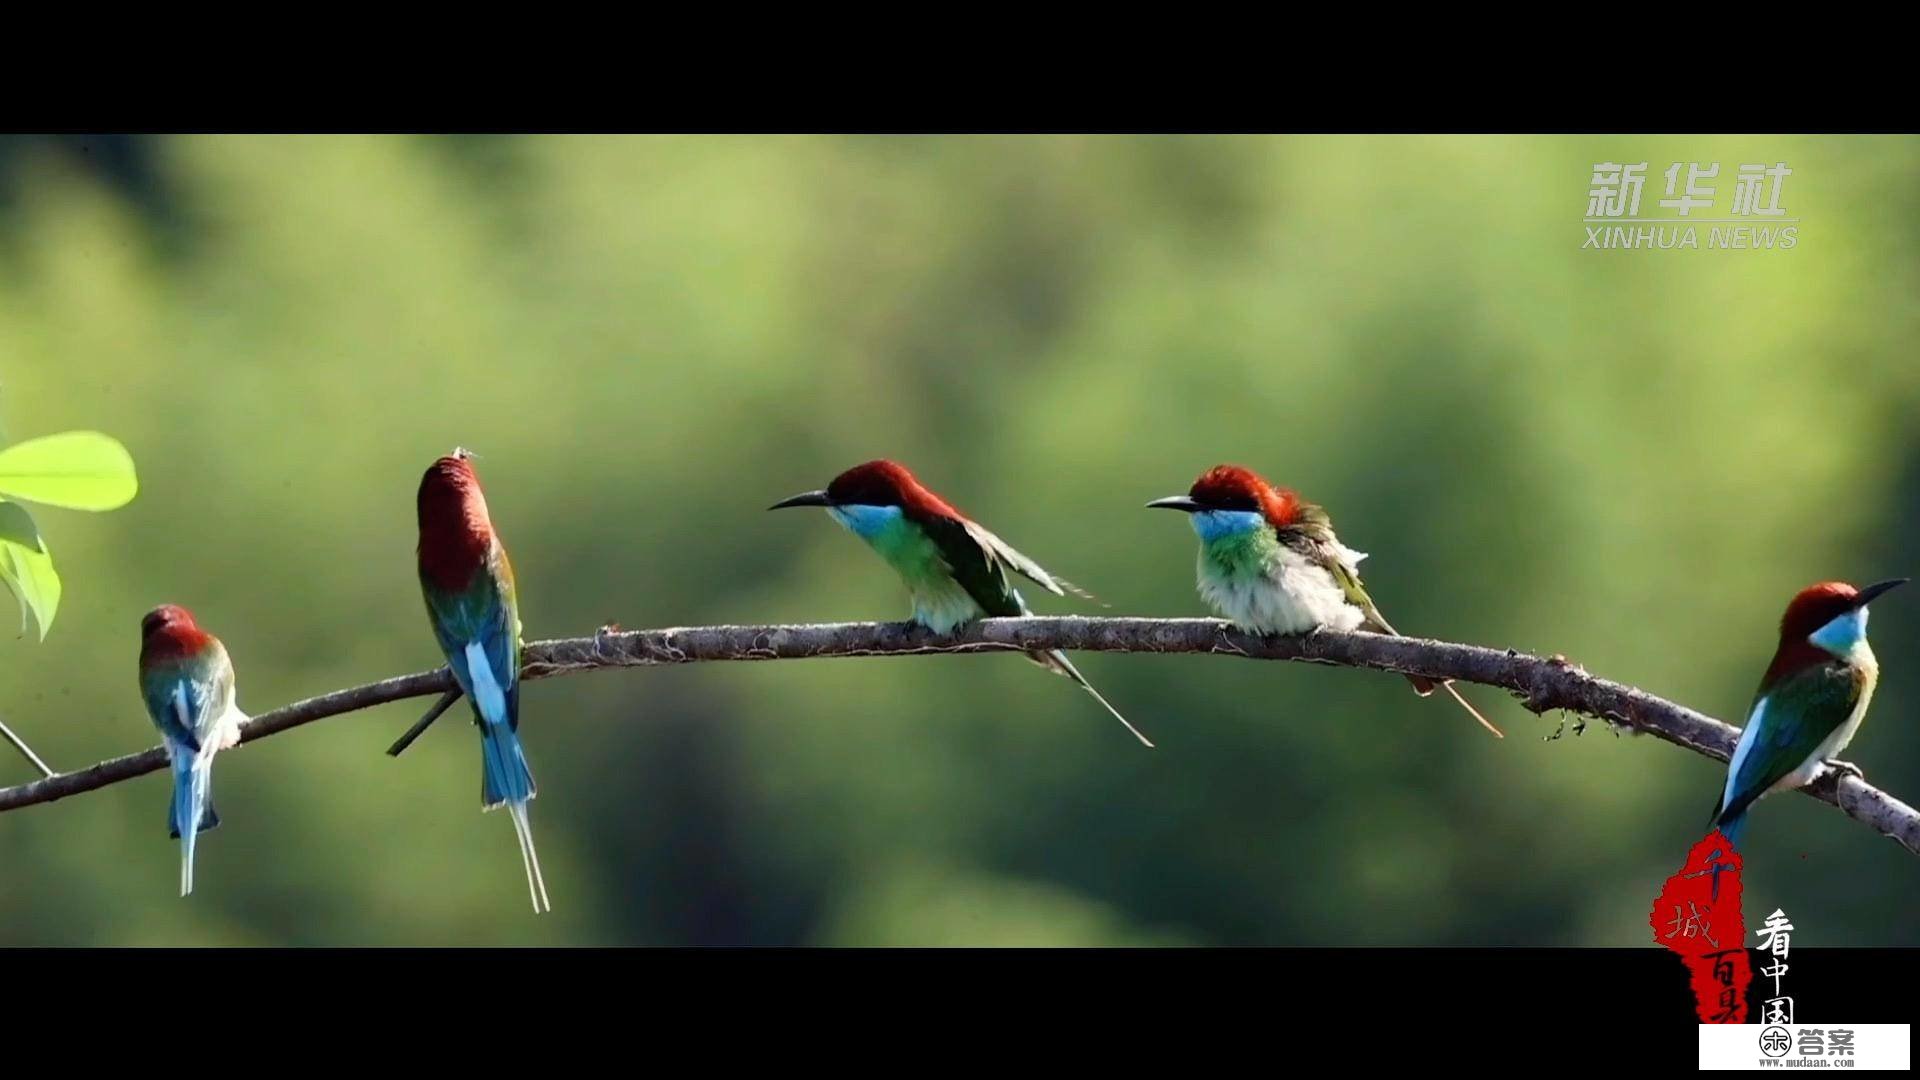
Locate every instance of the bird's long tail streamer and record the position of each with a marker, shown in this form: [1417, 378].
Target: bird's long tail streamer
[1057, 660]
[529, 858]
[505, 778]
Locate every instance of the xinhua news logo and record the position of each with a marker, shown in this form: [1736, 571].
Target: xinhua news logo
[1695, 206]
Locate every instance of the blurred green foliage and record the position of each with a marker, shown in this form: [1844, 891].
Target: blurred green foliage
[1631, 457]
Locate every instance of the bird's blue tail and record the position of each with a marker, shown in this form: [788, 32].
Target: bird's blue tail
[505, 778]
[191, 812]
[1733, 827]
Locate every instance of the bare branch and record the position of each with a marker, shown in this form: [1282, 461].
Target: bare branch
[1541, 684]
[421, 725]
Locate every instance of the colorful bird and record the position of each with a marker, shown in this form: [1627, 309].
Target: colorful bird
[954, 569]
[1810, 702]
[468, 583]
[186, 680]
[1271, 564]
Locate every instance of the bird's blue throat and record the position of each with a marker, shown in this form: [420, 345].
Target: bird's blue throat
[1841, 635]
[866, 522]
[1218, 524]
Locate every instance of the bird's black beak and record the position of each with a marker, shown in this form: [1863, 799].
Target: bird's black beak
[1866, 596]
[805, 498]
[1176, 502]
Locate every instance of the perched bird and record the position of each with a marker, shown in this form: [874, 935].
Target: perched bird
[1810, 702]
[186, 680]
[955, 570]
[1271, 564]
[468, 584]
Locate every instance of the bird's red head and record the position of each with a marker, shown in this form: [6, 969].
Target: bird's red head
[1811, 609]
[171, 616]
[885, 483]
[456, 531]
[1814, 607]
[168, 632]
[1232, 487]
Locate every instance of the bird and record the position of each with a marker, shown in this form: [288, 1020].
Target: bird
[1810, 703]
[954, 569]
[1271, 564]
[186, 680]
[472, 604]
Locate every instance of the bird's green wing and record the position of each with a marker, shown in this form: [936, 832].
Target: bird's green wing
[980, 560]
[974, 565]
[510, 596]
[999, 550]
[1801, 711]
[486, 611]
[1311, 533]
[1348, 577]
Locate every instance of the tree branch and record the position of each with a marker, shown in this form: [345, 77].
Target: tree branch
[421, 725]
[1541, 684]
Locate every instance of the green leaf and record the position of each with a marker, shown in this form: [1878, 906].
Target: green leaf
[77, 470]
[18, 526]
[31, 577]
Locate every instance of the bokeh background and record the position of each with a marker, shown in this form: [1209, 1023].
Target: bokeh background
[1631, 457]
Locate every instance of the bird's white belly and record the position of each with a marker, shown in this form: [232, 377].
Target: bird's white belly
[942, 605]
[1293, 596]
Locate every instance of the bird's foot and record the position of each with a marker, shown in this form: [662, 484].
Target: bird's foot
[1560, 661]
[1849, 768]
[1224, 644]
